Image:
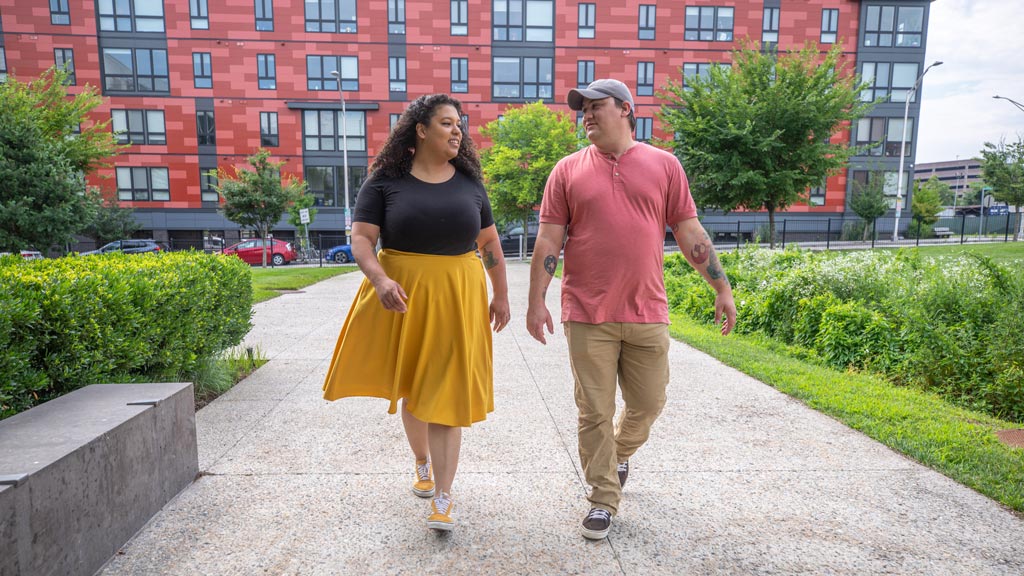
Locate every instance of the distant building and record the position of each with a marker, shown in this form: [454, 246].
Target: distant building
[957, 174]
[197, 85]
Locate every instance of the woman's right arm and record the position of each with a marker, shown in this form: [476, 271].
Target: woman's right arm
[364, 244]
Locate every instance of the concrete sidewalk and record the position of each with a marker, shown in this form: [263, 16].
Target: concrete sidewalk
[736, 478]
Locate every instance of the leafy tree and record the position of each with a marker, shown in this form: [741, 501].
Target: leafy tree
[256, 198]
[926, 203]
[43, 163]
[112, 222]
[758, 136]
[868, 200]
[1003, 167]
[526, 144]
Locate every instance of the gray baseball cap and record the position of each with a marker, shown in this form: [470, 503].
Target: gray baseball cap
[599, 90]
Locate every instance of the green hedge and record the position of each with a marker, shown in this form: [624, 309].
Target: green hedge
[71, 322]
[950, 324]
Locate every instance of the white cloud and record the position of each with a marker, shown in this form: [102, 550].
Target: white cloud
[983, 55]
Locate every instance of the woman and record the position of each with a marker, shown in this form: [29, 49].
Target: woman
[419, 328]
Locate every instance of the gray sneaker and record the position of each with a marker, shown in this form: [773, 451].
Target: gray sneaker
[596, 524]
[623, 470]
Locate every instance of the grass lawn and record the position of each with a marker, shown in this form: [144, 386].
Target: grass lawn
[267, 281]
[954, 441]
[1001, 252]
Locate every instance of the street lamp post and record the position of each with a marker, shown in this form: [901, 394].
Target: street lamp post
[1014, 102]
[903, 149]
[344, 152]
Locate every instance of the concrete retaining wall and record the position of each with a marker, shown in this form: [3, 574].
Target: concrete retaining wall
[81, 474]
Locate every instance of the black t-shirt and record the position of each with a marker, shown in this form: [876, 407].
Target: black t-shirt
[417, 216]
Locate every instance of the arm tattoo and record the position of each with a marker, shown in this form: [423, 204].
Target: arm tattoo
[675, 229]
[550, 263]
[699, 253]
[715, 268]
[489, 260]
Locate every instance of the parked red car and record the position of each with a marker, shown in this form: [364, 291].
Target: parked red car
[251, 251]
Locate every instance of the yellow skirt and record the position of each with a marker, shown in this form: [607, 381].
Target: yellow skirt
[437, 355]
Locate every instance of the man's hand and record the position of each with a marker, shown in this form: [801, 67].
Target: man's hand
[724, 305]
[391, 295]
[537, 317]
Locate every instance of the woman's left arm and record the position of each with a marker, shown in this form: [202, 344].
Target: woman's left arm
[494, 262]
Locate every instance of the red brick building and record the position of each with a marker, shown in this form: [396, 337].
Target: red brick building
[199, 84]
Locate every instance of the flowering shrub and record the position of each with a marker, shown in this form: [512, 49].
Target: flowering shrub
[947, 324]
[70, 322]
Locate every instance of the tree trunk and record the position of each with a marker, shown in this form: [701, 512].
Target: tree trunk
[263, 243]
[1020, 225]
[771, 227]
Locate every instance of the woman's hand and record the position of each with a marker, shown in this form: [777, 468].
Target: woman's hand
[391, 295]
[500, 314]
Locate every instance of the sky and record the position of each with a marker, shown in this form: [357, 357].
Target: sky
[982, 49]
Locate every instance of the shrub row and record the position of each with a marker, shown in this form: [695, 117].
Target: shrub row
[70, 322]
[947, 324]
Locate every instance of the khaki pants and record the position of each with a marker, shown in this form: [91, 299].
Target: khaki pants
[635, 355]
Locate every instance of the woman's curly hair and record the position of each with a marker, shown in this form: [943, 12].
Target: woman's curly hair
[395, 158]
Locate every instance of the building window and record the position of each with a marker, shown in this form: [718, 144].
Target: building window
[206, 130]
[268, 129]
[200, 14]
[322, 130]
[643, 128]
[464, 126]
[587, 22]
[645, 78]
[60, 14]
[862, 178]
[513, 25]
[326, 184]
[396, 16]
[266, 71]
[265, 15]
[321, 16]
[892, 81]
[882, 136]
[646, 21]
[131, 15]
[884, 23]
[143, 184]
[528, 77]
[396, 74]
[202, 71]
[829, 25]
[319, 68]
[65, 58]
[3, 64]
[770, 26]
[138, 70]
[393, 118]
[693, 70]
[208, 187]
[460, 75]
[139, 126]
[709, 23]
[460, 17]
[816, 195]
[584, 73]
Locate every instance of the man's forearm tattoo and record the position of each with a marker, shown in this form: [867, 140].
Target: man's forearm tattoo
[715, 268]
[550, 264]
[489, 260]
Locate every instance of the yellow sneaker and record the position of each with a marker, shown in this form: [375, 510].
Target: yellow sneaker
[424, 485]
[441, 518]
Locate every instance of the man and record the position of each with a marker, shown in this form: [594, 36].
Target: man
[610, 203]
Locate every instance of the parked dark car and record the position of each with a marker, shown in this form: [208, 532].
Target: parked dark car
[341, 254]
[131, 246]
[510, 240]
[251, 251]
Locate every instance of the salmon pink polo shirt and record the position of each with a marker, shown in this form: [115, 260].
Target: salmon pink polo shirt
[615, 212]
